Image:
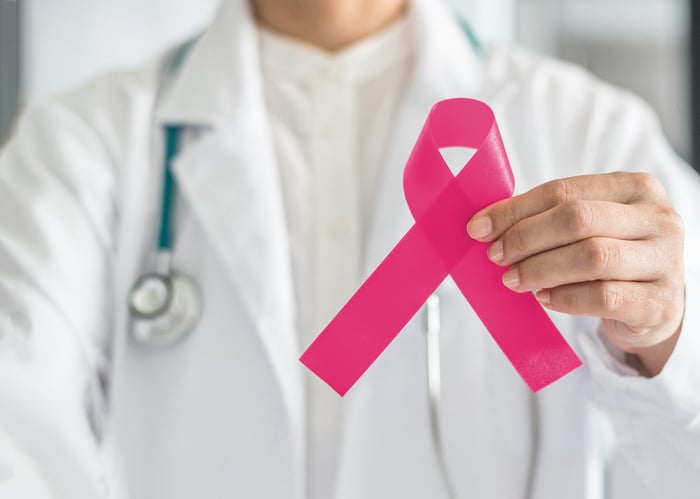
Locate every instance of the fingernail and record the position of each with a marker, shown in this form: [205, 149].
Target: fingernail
[495, 251]
[543, 296]
[479, 228]
[511, 278]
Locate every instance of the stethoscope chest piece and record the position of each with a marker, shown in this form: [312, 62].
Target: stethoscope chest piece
[164, 308]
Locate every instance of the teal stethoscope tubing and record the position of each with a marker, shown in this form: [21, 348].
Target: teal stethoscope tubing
[172, 144]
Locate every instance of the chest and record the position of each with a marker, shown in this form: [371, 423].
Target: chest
[231, 393]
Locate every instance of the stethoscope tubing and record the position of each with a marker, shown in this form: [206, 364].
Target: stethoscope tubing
[170, 316]
[434, 371]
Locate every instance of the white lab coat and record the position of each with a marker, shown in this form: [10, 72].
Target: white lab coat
[221, 415]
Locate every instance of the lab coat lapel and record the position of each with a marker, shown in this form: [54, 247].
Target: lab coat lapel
[229, 180]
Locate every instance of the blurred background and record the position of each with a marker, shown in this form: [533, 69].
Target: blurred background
[647, 46]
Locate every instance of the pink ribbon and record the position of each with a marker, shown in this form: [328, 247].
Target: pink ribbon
[437, 245]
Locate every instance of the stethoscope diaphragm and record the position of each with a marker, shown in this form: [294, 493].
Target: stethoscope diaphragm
[164, 308]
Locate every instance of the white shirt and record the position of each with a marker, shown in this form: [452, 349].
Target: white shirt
[331, 114]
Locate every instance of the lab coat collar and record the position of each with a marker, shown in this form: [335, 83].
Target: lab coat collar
[219, 77]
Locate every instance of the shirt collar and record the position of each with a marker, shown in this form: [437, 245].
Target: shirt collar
[287, 58]
[220, 78]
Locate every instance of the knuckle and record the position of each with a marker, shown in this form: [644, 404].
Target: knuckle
[531, 273]
[661, 312]
[515, 241]
[671, 220]
[568, 298]
[557, 192]
[610, 297]
[676, 265]
[510, 215]
[655, 311]
[504, 218]
[669, 240]
[597, 255]
[648, 185]
[668, 304]
[666, 313]
[577, 217]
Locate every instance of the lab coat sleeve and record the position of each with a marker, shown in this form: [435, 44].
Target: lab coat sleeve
[657, 420]
[57, 214]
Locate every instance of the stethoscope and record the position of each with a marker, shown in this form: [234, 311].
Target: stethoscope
[165, 305]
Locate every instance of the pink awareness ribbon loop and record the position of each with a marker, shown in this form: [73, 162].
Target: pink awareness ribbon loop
[436, 246]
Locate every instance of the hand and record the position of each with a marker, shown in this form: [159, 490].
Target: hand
[609, 246]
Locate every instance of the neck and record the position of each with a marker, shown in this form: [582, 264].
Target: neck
[328, 24]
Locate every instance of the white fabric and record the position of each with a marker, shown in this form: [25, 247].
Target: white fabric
[222, 414]
[330, 116]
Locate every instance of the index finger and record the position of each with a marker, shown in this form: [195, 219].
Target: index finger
[620, 187]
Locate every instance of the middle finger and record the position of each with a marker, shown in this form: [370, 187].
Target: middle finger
[570, 222]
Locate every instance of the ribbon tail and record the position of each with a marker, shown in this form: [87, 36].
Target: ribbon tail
[516, 321]
[376, 313]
